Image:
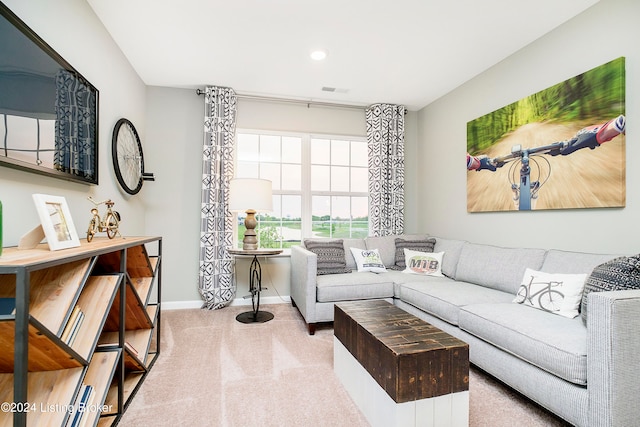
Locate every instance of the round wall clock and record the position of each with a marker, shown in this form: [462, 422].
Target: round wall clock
[128, 160]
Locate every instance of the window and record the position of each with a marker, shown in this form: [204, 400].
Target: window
[320, 185]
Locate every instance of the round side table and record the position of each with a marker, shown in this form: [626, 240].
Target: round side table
[255, 284]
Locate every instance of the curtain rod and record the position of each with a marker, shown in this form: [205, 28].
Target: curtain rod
[293, 101]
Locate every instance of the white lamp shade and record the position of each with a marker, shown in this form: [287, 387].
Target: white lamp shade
[250, 194]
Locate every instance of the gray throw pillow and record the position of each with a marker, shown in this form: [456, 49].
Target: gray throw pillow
[615, 275]
[330, 252]
[422, 245]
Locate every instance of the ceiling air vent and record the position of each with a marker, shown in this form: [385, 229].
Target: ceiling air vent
[334, 89]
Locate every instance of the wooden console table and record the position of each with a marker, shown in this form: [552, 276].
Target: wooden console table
[399, 369]
[86, 318]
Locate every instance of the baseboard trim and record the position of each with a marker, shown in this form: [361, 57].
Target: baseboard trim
[182, 305]
[263, 300]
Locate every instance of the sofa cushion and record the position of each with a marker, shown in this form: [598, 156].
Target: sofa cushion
[352, 243]
[555, 293]
[356, 286]
[442, 297]
[615, 275]
[399, 277]
[451, 249]
[331, 255]
[554, 343]
[556, 261]
[423, 263]
[496, 267]
[387, 245]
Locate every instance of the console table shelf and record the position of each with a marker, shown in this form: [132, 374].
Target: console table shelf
[88, 315]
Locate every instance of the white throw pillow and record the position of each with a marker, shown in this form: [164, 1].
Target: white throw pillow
[368, 260]
[424, 263]
[556, 293]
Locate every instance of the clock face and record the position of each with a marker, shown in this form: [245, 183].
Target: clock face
[128, 162]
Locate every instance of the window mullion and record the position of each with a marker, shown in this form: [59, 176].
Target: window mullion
[306, 187]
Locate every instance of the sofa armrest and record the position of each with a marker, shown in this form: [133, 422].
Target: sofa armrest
[304, 269]
[613, 357]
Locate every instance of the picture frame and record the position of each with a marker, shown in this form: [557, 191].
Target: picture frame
[56, 221]
[547, 131]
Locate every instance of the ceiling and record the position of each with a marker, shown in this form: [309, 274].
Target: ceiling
[407, 52]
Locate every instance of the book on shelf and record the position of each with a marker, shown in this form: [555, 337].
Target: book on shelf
[7, 306]
[70, 322]
[76, 328]
[73, 325]
[127, 346]
[81, 406]
[132, 350]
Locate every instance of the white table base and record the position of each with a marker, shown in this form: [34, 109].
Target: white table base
[450, 410]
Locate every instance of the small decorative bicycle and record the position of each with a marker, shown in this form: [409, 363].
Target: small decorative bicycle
[109, 224]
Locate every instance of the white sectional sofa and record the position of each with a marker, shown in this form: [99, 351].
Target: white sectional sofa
[585, 373]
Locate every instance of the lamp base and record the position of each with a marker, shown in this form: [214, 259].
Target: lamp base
[250, 240]
[249, 246]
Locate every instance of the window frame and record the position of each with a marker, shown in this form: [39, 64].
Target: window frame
[305, 193]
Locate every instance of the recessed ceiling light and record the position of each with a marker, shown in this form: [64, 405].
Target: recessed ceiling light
[318, 54]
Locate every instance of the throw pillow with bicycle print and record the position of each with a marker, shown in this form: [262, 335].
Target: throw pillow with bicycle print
[556, 293]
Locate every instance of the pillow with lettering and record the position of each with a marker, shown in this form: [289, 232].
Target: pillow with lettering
[368, 260]
[420, 245]
[424, 263]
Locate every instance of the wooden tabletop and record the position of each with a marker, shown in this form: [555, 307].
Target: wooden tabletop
[12, 256]
[254, 252]
[408, 357]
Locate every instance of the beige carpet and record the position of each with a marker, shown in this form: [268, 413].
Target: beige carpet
[215, 371]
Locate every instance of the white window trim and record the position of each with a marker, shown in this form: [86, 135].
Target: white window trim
[305, 193]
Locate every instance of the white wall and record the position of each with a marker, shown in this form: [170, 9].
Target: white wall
[71, 28]
[604, 32]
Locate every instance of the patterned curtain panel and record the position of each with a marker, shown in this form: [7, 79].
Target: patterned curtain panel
[385, 137]
[216, 228]
[75, 109]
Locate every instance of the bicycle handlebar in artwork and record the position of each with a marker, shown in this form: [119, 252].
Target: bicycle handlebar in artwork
[588, 137]
[525, 189]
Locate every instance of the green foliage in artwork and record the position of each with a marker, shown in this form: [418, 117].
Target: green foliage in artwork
[596, 94]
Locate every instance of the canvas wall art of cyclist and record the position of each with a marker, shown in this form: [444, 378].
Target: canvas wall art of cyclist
[560, 148]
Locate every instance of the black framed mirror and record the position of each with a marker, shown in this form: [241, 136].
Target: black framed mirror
[48, 110]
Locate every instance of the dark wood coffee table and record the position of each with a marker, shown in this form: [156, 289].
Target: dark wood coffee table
[399, 369]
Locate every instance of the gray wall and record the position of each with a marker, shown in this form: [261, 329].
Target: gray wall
[175, 133]
[73, 30]
[604, 32]
[170, 124]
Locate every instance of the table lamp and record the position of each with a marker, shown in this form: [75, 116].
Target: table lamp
[250, 195]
